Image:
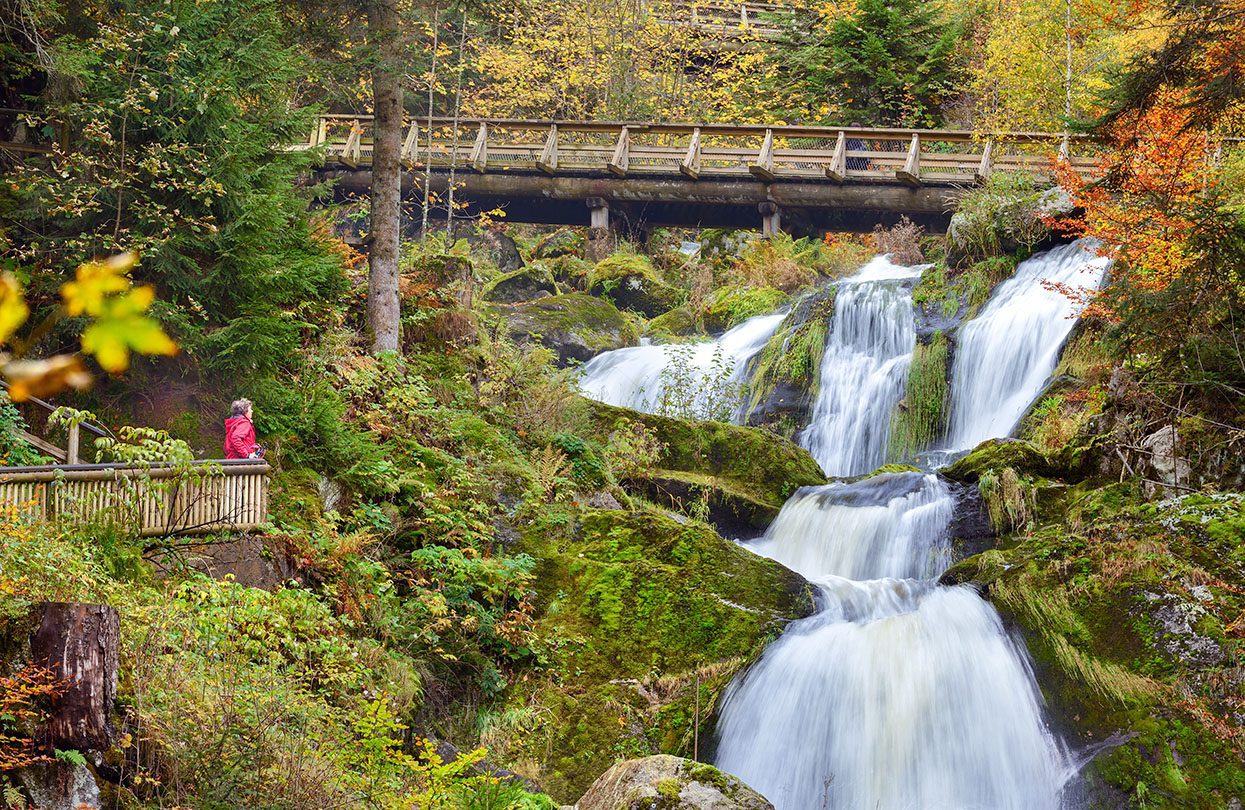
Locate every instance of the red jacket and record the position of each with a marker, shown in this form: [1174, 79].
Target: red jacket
[239, 437]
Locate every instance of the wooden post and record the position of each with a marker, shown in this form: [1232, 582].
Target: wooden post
[479, 152]
[71, 449]
[548, 160]
[690, 166]
[911, 172]
[351, 151]
[322, 132]
[599, 213]
[987, 162]
[771, 219]
[410, 146]
[837, 170]
[764, 167]
[621, 161]
[1063, 149]
[78, 643]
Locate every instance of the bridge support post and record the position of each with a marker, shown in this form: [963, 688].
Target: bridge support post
[601, 240]
[771, 219]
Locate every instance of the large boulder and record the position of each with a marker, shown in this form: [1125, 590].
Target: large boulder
[631, 282]
[497, 246]
[576, 326]
[562, 242]
[669, 783]
[524, 284]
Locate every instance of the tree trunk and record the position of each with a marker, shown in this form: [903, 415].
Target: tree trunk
[383, 309]
[78, 643]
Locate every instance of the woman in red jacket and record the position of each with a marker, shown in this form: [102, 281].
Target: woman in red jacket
[240, 433]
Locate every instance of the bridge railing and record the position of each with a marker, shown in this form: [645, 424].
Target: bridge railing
[147, 500]
[756, 20]
[837, 155]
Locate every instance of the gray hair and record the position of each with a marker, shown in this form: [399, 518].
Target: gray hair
[240, 407]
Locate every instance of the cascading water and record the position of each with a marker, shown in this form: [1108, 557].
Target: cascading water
[1006, 353]
[864, 369]
[898, 694]
[637, 377]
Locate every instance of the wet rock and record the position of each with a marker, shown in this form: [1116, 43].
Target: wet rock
[562, 242]
[669, 783]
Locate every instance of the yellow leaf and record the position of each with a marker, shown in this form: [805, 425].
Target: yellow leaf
[122, 328]
[95, 281]
[13, 309]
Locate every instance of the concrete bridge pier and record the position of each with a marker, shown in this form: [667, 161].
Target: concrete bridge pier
[602, 230]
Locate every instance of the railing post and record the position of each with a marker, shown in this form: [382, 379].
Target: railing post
[987, 162]
[764, 167]
[837, 170]
[548, 160]
[690, 166]
[410, 146]
[352, 150]
[621, 160]
[1064, 150]
[911, 172]
[479, 152]
[71, 449]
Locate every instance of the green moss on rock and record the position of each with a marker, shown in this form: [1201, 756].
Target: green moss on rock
[732, 306]
[678, 322]
[630, 281]
[576, 326]
[918, 419]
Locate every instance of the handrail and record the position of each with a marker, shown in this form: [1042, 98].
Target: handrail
[157, 469]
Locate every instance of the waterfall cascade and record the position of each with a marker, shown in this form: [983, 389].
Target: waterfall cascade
[872, 337]
[637, 377]
[898, 694]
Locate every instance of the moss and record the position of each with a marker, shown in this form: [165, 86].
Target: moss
[770, 469]
[732, 306]
[678, 322]
[523, 284]
[976, 284]
[892, 468]
[575, 325]
[630, 281]
[934, 292]
[919, 418]
[570, 272]
[997, 454]
[786, 373]
[643, 607]
[562, 242]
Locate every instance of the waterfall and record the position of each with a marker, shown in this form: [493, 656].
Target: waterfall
[864, 369]
[898, 694]
[1005, 355]
[705, 372]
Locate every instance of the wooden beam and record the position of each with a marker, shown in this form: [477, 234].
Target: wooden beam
[47, 447]
[479, 152]
[71, 449]
[987, 162]
[837, 170]
[548, 160]
[690, 166]
[764, 167]
[911, 172]
[621, 161]
[410, 147]
[352, 150]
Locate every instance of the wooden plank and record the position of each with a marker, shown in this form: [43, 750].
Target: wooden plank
[350, 152]
[986, 166]
[479, 152]
[621, 160]
[764, 166]
[47, 447]
[837, 170]
[548, 160]
[690, 166]
[410, 147]
[911, 172]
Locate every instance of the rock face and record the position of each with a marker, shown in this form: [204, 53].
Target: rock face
[576, 326]
[631, 282]
[669, 783]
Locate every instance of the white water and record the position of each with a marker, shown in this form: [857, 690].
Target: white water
[636, 377]
[1005, 355]
[864, 370]
[898, 694]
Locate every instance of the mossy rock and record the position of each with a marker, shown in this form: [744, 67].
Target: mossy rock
[678, 322]
[525, 284]
[891, 468]
[562, 242]
[576, 326]
[767, 468]
[997, 454]
[570, 272]
[731, 306]
[644, 606]
[786, 373]
[631, 282]
[664, 782]
[735, 512]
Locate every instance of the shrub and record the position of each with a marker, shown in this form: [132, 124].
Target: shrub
[900, 242]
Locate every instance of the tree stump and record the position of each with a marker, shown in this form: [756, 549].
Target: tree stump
[78, 642]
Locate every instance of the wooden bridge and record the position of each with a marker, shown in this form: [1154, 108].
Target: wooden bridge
[725, 25]
[710, 175]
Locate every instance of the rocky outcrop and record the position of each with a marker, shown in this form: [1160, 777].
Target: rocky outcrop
[576, 326]
[998, 224]
[669, 783]
[631, 282]
[562, 242]
[525, 284]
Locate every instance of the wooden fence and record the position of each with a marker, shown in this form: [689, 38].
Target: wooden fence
[692, 152]
[147, 500]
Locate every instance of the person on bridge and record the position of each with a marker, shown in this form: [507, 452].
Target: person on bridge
[240, 432]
